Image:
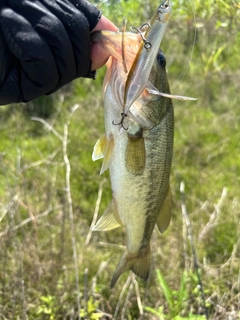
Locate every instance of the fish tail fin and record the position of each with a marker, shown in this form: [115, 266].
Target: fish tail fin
[139, 264]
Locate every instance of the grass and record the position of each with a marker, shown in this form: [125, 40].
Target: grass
[47, 269]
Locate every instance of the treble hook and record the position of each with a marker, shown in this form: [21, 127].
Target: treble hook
[121, 122]
[146, 24]
[147, 44]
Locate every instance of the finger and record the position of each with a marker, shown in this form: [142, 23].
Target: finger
[98, 56]
[105, 24]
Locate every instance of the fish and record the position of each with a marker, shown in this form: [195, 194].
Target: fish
[139, 158]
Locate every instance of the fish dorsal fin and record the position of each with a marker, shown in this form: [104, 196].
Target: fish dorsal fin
[135, 156]
[164, 216]
[103, 149]
[109, 220]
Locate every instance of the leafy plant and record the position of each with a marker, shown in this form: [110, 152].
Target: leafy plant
[47, 308]
[90, 311]
[175, 300]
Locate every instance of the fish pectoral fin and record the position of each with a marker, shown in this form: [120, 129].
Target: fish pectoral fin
[100, 148]
[153, 90]
[135, 156]
[103, 149]
[164, 216]
[107, 154]
[139, 264]
[109, 220]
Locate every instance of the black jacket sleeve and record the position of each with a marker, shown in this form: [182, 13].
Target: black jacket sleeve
[44, 44]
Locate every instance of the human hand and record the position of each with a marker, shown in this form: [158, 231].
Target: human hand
[98, 55]
[44, 45]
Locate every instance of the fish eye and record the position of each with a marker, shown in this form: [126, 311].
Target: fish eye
[161, 59]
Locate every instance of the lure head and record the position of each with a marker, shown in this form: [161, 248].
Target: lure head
[164, 11]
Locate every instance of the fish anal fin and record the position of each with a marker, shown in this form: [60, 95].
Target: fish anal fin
[164, 216]
[139, 264]
[109, 220]
[135, 156]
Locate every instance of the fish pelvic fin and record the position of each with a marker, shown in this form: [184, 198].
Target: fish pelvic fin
[139, 264]
[103, 149]
[164, 216]
[109, 220]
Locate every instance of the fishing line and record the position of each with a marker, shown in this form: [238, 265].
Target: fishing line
[194, 39]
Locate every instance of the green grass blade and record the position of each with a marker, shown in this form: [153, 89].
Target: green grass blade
[166, 290]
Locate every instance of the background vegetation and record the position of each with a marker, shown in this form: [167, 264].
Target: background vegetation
[51, 267]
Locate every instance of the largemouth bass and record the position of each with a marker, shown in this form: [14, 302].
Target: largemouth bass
[139, 158]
